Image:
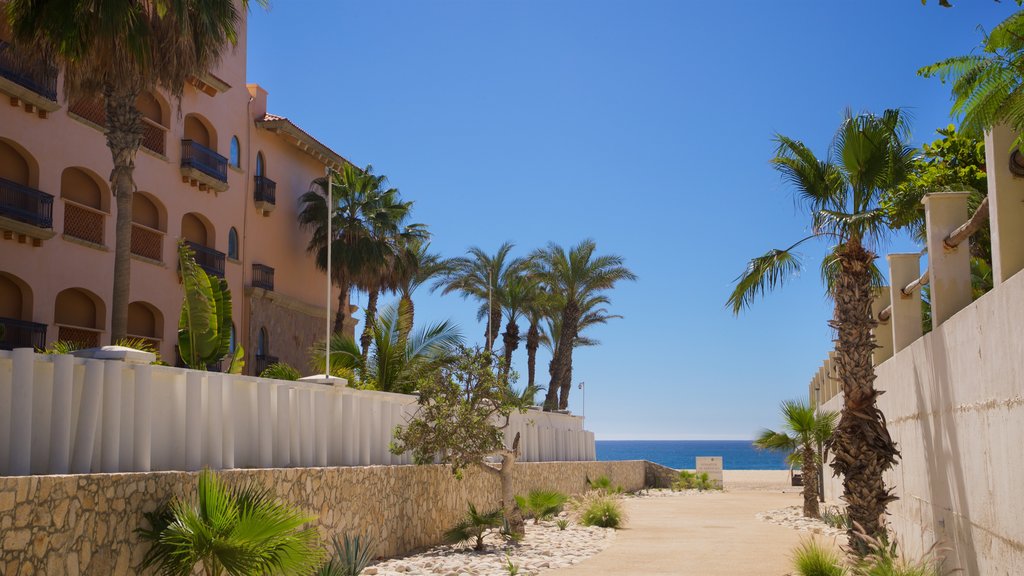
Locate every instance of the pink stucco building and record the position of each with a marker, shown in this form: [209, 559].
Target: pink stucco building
[218, 171]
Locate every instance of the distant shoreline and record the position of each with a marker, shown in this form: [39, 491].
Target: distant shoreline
[682, 454]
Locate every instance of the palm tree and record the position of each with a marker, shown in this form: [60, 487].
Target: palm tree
[230, 530]
[414, 266]
[397, 363]
[514, 296]
[575, 276]
[804, 430]
[537, 308]
[842, 193]
[478, 276]
[592, 315]
[117, 50]
[361, 209]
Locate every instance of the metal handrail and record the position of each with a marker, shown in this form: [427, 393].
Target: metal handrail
[28, 70]
[25, 204]
[263, 277]
[210, 260]
[265, 190]
[22, 334]
[203, 159]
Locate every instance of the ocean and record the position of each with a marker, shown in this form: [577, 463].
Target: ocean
[682, 454]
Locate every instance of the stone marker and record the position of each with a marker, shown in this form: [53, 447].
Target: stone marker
[712, 466]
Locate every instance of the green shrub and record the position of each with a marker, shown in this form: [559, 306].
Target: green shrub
[512, 569]
[603, 511]
[835, 517]
[604, 484]
[813, 559]
[280, 371]
[883, 559]
[692, 481]
[351, 556]
[542, 504]
[474, 527]
[562, 523]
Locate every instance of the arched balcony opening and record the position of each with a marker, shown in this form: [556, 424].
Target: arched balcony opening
[154, 122]
[145, 322]
[16, 327]
[23, 208]
[80, 317]
[86, 205]
[201, 165]
[199, 234]
[149, 226]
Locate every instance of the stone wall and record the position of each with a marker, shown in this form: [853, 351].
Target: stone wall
[293, 328]
[85, 524]
[658, 476]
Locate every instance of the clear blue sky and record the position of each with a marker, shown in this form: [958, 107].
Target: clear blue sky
[645, 125]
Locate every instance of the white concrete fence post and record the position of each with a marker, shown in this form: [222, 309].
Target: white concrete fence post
[110, 434]
[22, 381]
[949, 268]
[282, 452]
[193, 420]
[264, 424]
[906, 308]
[1006, 205]
[60, 415]
[214, 422]
[88, 418]
[143, 424]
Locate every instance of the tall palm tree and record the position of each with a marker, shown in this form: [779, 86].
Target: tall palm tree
[841, 193]
[361, 208]
[804, 429]
[478, 276]
[514, 297]
[414, 266]
[592, 314]
[575, 276]
[536, 308]
[117, 50]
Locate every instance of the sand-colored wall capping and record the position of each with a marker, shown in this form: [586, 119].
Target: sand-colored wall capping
[85, 524]
[954, 404]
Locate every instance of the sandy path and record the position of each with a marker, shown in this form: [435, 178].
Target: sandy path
[707, 534]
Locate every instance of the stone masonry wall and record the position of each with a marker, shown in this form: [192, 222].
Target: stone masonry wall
[658, 476]
[292, 330]
[85, 524]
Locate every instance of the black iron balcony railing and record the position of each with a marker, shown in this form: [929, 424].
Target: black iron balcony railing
[21, 334]
[262, 361]
[195, 155]
[28, 70]
[25, 204]
[210, 260]
[262, 277]
[266, 190]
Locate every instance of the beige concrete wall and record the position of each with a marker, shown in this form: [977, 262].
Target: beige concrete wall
[71, 525]
[954, 403]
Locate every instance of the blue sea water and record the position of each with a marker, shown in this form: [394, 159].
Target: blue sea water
[682, 454]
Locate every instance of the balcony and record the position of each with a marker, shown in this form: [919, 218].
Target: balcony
[147, 242]
[208, 259]
[26, 211]
[21, 334]
[265, 194]
[28, 78]
[263, 361]
[94, 113]
[203, 167]
[84, 222]
[263, 277]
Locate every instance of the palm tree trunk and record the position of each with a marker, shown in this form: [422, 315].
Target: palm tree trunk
[862, 448]
[532, 344]
[511, 340]
[514, 516]
[551, 397]
[565, 385]
[562, 361]
[369, 319]
[342, 313]
[124, 135]
[809, 471]
[493, 327]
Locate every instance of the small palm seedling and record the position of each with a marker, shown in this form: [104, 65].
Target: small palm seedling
[562, 523]
[813, 559]
[512, 569]
[542, 504]
[604, 484]
[351, 556]
[475, 526]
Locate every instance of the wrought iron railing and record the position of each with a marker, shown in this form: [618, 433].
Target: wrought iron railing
[263, 361]
[266, 190]
[195, 155]
[262, 277]
[147, 242]
[84, 337]
[83, 222]
[210, 260]
[91, 109]
[153, 136]
[28, 70]
[25, 204]
[21, 334]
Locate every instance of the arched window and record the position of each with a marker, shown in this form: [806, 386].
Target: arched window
[261, 168]
[235, 159]
[233, 342]
[233, 243]
[262, 345]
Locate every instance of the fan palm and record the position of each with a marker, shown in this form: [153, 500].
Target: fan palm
[574, 276]
[237, 531]
[396, 364]
[804, 429]
[117, 50]
[842, 193]
[478, 276]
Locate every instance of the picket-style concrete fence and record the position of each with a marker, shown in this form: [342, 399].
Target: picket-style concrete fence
[954, 397]
[61, 414]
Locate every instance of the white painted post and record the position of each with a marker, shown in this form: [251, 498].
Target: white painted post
[88, 417]
[367, 418]
[282, 453]
[396, 420]
[60, 414]
[142, 449]
[882, 332]
[193, 420]
[906, 308]
[949, 268]
[22, 376]
[110, 434]
[214, 424]
[384, 432]
[349, 430]
[295, 434]
[231, 392]
[1006, 205]
[304, 397]
[321, 407]
[264, 424]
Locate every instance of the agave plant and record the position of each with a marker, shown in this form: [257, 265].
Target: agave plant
[236, 531]
[542, 504]
[351, 556]
[475, 526]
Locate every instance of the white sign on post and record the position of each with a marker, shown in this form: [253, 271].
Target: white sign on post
[712, 466]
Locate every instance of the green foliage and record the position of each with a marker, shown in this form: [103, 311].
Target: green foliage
[802, 426]
[474, 527]
[238, 531]
[71, 346]
[883, 559]
[280, 371]
[813, 559]
[511, 568]
[542, 504]
[604, 511]
[693, 481]
[835, 517]
[204, 328]
[351, 556]
[62, 347]
[604, 485]
[562, 523]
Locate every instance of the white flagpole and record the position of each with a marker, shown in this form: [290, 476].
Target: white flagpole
[330, 240]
